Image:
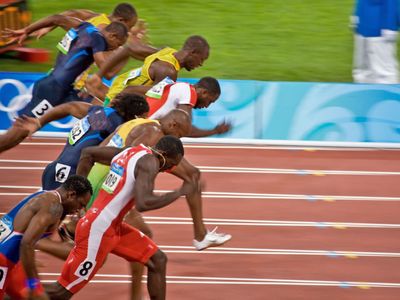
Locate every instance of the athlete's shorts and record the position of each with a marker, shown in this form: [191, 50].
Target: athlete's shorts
[12, 279]
[96, 177]
[93, 242]
[46, 94]
[56, 173]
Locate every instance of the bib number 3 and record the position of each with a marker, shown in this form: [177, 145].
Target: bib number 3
[41, 108]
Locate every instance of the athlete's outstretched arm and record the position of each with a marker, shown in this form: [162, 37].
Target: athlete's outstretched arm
[134, 47]
[219, 129]
[146, 171]
[76, 109]
[90, 155]
[82, 14]
[55, 20]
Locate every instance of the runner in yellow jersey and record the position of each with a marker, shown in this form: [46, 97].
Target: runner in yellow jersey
[164, 63]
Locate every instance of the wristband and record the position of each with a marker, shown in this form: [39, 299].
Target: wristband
[35, 285]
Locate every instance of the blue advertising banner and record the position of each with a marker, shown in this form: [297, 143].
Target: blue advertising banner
[267, 110]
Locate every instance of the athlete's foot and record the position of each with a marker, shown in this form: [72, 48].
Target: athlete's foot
[212, 239]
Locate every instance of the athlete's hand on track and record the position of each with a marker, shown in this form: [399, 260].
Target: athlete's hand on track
[27, 123]
[223, 127]
[18, 35]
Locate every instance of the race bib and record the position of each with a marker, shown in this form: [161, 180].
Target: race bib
[157, 90]
[79, 129]
[113, 178]
[62, 172]
[85, 269]
[133, 74]
[116, 141]
[65, 43]
[3, 276]
[41, 108]
[6, 228]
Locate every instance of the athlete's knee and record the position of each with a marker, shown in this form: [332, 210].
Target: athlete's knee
[158, 261]
[56, 291]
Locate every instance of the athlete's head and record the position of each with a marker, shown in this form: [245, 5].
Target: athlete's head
[177, 123]
[78, 191]
[115, 34]
[125, 14]
[130, 106]
[197, 50]
[208, 91]
[169, 151]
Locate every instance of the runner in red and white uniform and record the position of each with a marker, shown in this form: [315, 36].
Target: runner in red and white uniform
[168, 95]
[101, 231]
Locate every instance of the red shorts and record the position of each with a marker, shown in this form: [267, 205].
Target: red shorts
[92, 245]
[12, 279]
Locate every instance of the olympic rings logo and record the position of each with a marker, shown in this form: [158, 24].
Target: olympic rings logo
[19, 101]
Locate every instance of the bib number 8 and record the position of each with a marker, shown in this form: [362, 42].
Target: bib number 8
[85, 269]
[3, 275]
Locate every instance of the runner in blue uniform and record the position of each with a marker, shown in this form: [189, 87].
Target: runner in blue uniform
[81, 46]
[34, 218]
[95, 124]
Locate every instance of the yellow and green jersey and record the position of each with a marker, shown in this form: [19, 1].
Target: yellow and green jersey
[140, 76]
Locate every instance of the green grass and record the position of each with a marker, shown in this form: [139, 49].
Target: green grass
[285, 40]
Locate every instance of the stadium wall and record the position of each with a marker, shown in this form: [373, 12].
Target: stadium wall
[285, 111]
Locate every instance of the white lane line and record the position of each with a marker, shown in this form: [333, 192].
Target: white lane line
[217, 169]
[270, 223]
[22, 168]
[263, 251]
[20, 161]
[266, 251]
[244, 281]
[268, 145]
[231, 195]
[211, 221]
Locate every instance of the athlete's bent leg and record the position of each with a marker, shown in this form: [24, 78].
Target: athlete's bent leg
[156, 276]
[135, 219]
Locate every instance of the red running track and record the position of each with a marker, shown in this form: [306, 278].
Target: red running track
[300, 230]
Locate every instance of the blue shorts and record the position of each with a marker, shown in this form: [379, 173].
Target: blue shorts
[47, 93]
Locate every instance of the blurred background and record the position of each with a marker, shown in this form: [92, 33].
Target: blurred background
[293, 40]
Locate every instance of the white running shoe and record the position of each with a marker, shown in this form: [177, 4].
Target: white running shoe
[212, 239]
